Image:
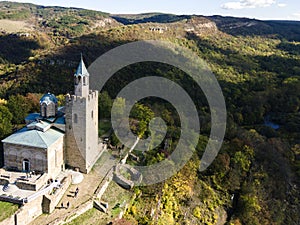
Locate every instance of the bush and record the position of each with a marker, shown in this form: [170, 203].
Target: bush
[197, 212]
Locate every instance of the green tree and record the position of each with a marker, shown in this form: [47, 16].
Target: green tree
[5, 121]
[61, 99]
[104, 105]
[19, 107]
[119, 106]
[144, 115]
[114, 140]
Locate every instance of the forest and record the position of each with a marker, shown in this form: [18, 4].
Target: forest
[255, 177]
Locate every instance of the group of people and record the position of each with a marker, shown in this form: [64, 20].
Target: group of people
[67, 206]
[68, 203]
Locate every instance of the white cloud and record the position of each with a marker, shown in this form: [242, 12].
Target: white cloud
[242, 4]
[296, 16]
[281, 5]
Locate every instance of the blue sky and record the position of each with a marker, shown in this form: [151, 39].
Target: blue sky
[260, 9]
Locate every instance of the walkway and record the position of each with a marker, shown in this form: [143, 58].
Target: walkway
[86, 190]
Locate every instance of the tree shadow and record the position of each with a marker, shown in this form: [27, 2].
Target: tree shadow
[16, 49]
[291, 48]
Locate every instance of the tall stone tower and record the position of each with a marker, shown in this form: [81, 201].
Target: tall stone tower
[81, 113]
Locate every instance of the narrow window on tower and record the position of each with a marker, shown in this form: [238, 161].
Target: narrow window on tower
[92, 114]
[75, 118]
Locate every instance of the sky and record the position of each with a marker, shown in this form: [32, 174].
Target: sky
[259, 9]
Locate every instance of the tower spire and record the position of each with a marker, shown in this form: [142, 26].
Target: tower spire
[81, 79]
[81, 69]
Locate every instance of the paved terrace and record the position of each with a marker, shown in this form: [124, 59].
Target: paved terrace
[12, 177]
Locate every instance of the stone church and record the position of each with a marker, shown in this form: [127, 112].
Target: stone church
[58, 136]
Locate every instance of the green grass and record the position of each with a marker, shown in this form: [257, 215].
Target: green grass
[7, 210]
[115, 196]
[91, 217]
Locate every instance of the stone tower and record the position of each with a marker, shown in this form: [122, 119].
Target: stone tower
[81, 114]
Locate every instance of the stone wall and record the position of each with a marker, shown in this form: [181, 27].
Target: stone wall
[118, 177]
[51, 201]
[28, 212]
[92, 150]
[4, 180]
[123, 182]
[82, 150]
[11, 199]
[31, 210]
[74, 214]
[104, 185]
[75, 132]
[40, 181]
[55, 155]
[26, 185]
[15, 154]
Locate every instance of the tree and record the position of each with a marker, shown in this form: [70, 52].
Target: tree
[119, 107]
[19, 107]
[5, 121]
[114, 140]
[33, 101]
[61, 99]
[104, 105]
[144, 115]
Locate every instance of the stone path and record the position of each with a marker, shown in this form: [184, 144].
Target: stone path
[86, 190]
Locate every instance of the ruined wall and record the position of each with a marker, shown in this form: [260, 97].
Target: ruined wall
[51, 201]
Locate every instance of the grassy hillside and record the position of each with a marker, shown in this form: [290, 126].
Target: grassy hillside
[255, 178]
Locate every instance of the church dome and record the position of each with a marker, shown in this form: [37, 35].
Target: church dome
[48, 98]
[48, 105]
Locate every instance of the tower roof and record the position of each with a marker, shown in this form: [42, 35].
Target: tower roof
[81, 70]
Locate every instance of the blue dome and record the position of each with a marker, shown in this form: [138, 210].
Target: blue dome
[48, 98]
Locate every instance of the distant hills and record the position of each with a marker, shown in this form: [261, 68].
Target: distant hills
[76, 21]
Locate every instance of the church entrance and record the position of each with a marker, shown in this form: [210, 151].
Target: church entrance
[26, 165]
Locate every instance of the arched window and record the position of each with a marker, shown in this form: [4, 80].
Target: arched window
[76, 81]
[26, 165]
[44, 110]
[84, 79]
[75, 118]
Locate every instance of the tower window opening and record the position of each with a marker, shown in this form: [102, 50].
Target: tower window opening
[75, 118]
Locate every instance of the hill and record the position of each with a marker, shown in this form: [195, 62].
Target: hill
[255, 178]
